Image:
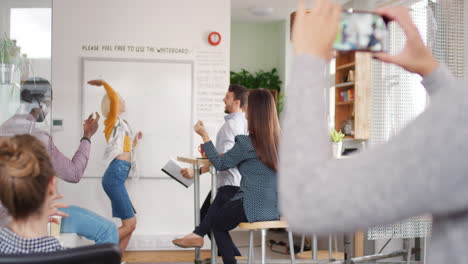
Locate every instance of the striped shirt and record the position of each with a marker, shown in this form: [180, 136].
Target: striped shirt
[11, 243]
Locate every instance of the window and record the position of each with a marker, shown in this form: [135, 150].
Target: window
[397, 97]
[31, 28]
[450, 34]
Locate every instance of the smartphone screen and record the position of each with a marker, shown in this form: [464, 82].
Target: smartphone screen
[361, 31]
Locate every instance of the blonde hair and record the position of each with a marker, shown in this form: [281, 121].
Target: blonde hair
[105, 105]
[25, 174]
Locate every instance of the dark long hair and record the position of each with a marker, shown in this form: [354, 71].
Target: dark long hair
[264, 128]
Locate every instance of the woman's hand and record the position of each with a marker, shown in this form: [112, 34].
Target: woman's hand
[201, 130]
[415, 56]
[54, 209]
[315, 31]
[187, 173]
[137, 138]
[96, 82]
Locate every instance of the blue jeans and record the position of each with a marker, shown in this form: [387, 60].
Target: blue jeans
[90, 225]
[113, 183]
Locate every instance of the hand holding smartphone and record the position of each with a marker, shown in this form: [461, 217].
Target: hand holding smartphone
[362, 31]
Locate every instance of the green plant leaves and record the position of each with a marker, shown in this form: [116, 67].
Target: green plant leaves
[5, 49]
[336, 136]
[261, 79]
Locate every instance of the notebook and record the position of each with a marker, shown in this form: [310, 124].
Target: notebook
[172, 168]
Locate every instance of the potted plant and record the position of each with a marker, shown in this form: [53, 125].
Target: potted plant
[262, 79]
[337, 143]
[8, 52]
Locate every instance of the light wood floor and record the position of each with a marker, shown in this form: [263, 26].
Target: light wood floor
[169, 256]
[163, 256]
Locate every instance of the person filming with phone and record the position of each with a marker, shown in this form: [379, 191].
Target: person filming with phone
[419, 171]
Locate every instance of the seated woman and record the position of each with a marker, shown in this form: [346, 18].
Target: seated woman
[27, 185]
[256, 157]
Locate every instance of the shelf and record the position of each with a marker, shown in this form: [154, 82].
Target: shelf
[342, 85]
[345, 103]
[355, 87]
[346, 66]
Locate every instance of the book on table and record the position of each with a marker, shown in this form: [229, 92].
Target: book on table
[173, 168]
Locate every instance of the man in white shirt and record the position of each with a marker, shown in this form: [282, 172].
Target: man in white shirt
[228, 181]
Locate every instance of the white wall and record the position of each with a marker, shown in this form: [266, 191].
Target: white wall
[289, 52]
[164, 207]
[258, 46]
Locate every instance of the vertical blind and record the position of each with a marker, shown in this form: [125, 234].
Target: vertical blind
[397, 97]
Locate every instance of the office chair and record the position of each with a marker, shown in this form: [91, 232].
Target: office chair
[95, 254]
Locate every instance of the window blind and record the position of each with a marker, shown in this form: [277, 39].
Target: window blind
[397, 97]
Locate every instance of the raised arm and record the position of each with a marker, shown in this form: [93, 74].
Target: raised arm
[225, 161]
[228, 160]
[411, 175]
[72, 170]
[439, 80]
[111, 118]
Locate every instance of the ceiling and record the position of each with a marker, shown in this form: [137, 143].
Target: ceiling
[241, 9]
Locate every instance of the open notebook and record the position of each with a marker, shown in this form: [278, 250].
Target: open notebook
[172, 168]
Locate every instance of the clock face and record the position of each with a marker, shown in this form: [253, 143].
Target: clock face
[214, 38]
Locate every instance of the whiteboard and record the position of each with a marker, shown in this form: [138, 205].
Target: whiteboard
[158, 96]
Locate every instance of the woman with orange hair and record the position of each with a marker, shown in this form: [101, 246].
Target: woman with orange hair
[120, 156]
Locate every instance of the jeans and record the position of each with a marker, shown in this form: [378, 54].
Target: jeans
[90, 225]
[113, 183]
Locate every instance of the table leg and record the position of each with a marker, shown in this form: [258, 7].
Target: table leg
[196, 191]
[314, 247]
[214, 249]
[347, 248]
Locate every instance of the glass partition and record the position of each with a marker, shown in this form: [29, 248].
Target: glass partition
[25, 68]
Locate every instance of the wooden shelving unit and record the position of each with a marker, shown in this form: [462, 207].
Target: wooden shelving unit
[345, 66]
[352, 85]
[344, 85]
[345, 103]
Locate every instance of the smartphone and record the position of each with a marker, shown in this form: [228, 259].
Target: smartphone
[362, 31]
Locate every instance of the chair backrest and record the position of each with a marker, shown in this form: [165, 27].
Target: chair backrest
[95, 254]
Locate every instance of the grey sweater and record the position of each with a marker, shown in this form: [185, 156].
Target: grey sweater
[422, 170]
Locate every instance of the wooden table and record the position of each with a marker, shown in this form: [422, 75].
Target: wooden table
[197, 163]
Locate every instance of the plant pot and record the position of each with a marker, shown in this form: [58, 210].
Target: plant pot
[7, 72]
[337, 149]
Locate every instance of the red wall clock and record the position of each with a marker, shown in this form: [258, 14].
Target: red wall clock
[214, 38]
